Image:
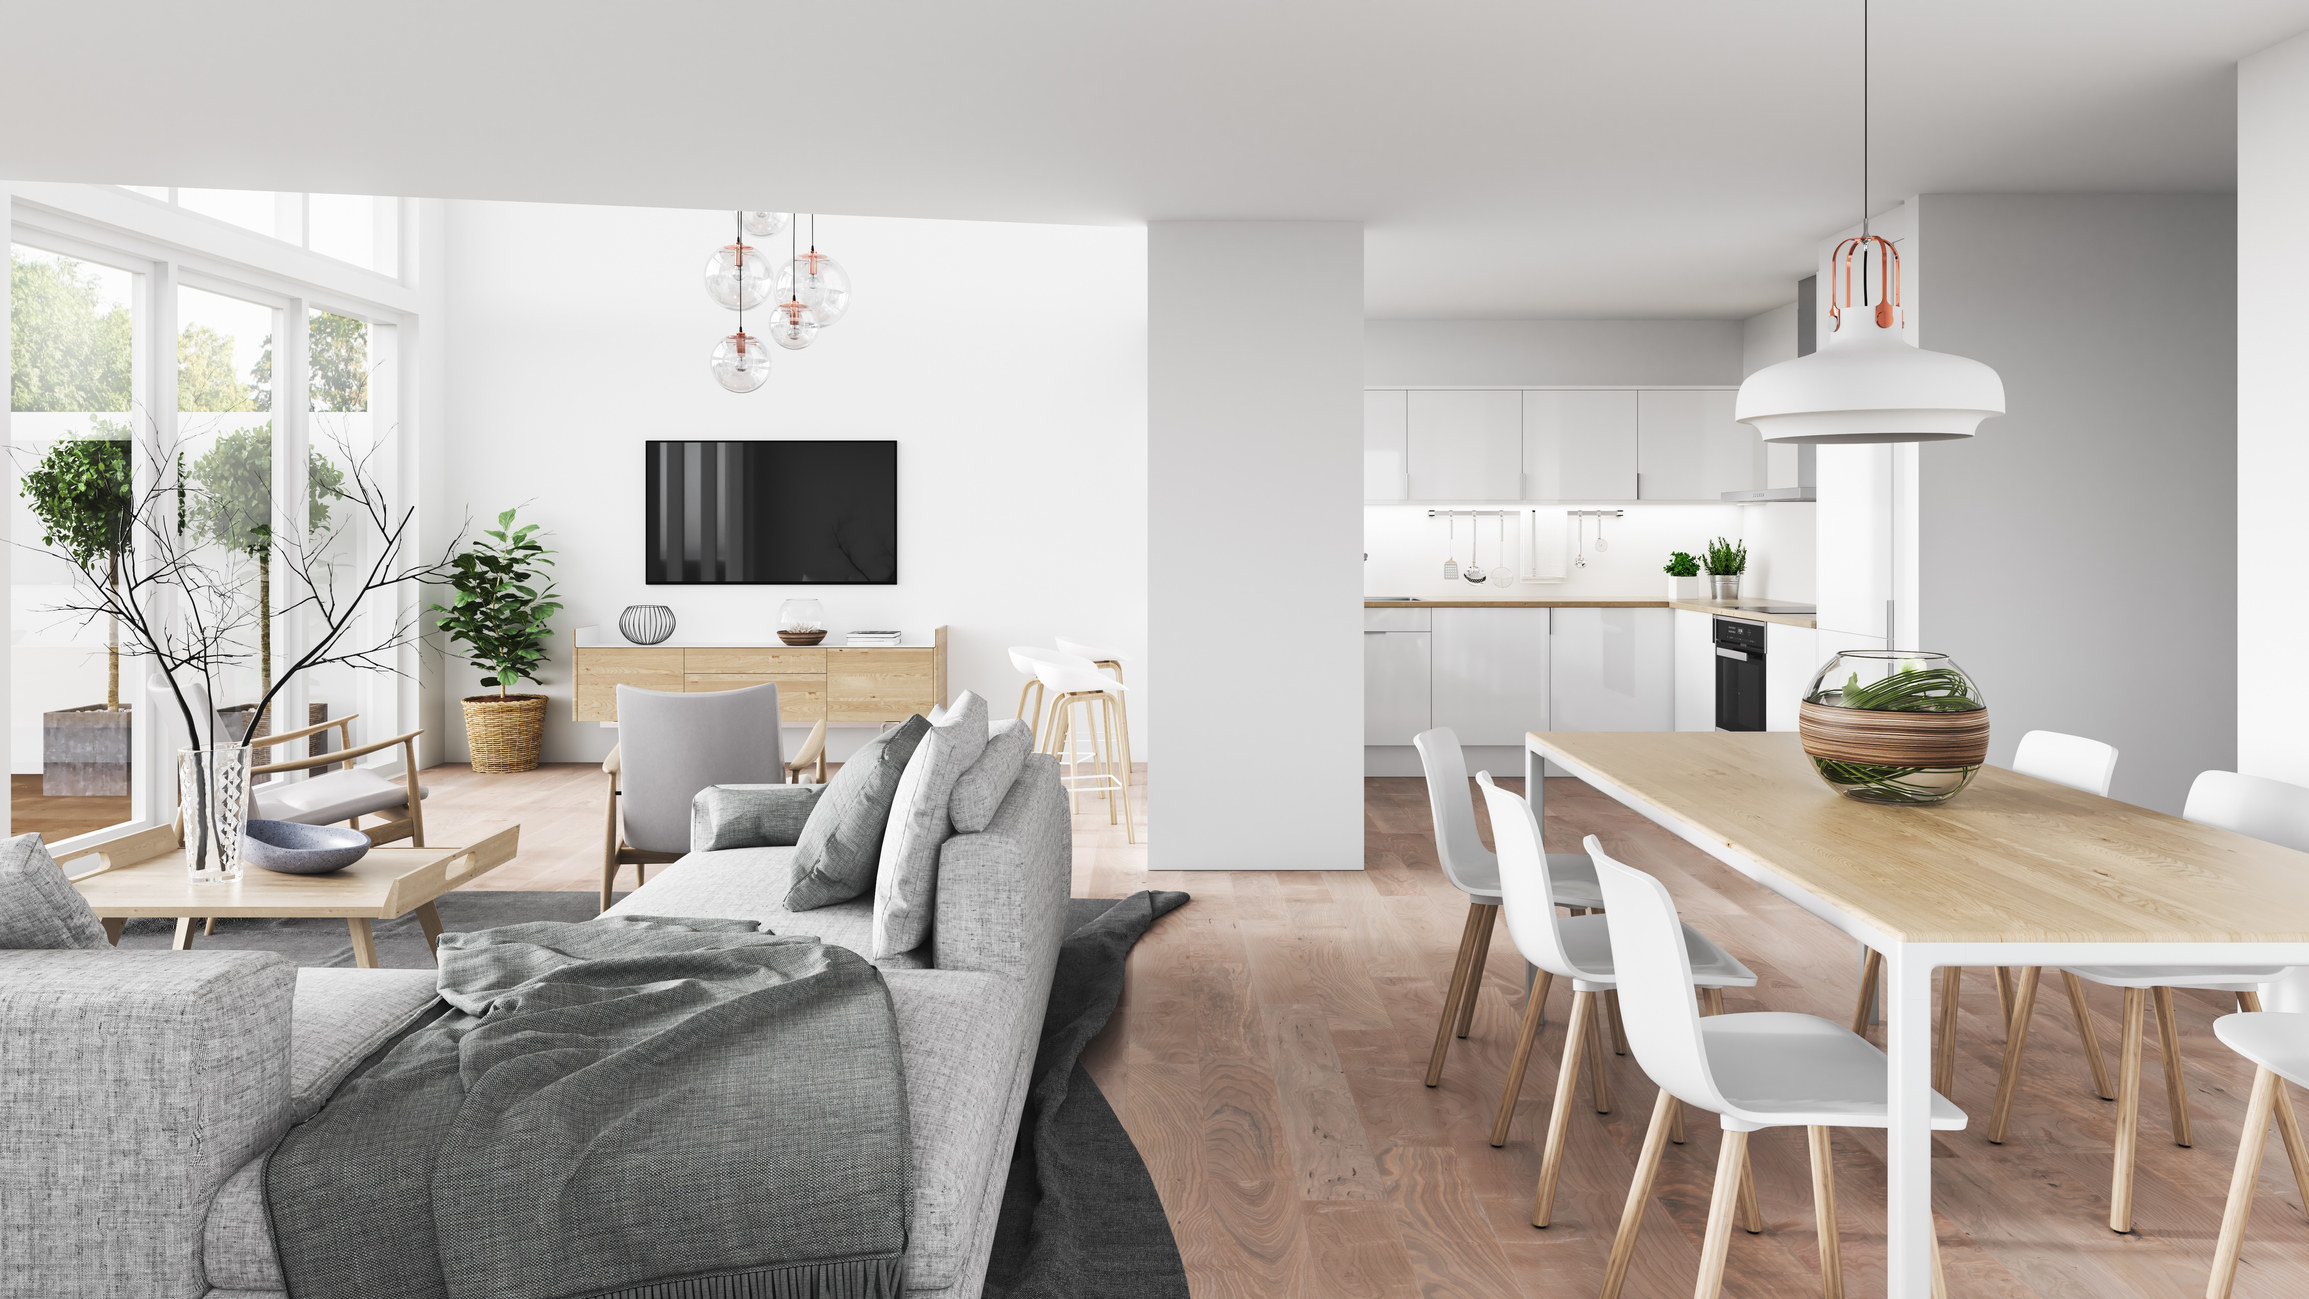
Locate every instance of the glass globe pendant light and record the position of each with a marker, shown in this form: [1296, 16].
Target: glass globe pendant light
[737, 275]
[795, 325]
[767, 225]
[741, 362]
[817, 281]
[1868, 383]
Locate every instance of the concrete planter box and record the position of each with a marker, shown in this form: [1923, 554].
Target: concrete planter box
[84, 752]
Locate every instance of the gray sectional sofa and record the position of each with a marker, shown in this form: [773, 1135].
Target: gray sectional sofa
[139, 1091]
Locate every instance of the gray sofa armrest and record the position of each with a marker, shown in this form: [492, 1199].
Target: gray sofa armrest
[132, 1084]
[750, 816]
[1002, 892]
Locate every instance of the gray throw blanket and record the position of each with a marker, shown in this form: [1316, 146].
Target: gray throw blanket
[637, 1108]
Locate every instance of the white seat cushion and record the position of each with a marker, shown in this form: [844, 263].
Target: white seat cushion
[751, 884]
[337, 796]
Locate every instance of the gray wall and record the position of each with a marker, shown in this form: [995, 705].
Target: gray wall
[1538, 353]
[2079, 556]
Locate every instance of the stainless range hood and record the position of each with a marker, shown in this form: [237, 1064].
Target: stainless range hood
[1807, 340]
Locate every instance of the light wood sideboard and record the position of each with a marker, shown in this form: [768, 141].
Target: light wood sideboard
[841, 685]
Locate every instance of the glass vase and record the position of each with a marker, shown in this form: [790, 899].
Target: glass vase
[801, 622]
[1905, 727]
[212, 797]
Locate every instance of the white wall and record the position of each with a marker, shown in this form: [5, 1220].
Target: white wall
[2272, 411]
[1536, 353]
[2079, 556]
[1767, 338]
[1254, 495]
[1009, 362]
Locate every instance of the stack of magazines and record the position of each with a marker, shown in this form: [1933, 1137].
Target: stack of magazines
[875, 638]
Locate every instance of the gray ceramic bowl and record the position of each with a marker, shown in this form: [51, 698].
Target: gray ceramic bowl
[293, 848]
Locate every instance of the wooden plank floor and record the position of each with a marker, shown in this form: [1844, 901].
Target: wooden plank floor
[1268, 1054]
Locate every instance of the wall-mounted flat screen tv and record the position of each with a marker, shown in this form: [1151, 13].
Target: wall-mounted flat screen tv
[773, 513]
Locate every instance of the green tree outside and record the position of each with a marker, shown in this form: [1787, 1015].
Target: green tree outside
[82, 493]
[67, 351]
[204, 373]
[234, 509]
[336, 365]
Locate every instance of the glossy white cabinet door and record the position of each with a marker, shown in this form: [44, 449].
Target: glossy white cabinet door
[1395, 684]
[1853, 564]
[1386, 445]
[1789, 662]
[1612, 670]
[1695, 637]
[1491, 673]
[1579, 446]
[1691, 449]
[1466, 446]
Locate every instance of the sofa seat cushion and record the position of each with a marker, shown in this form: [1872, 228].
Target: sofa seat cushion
[337, 796]
[960, 1033]
[752, 884]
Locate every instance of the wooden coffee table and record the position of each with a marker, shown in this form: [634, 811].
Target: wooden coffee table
[144, 875]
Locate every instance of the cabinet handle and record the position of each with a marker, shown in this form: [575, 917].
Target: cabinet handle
[1723, 653]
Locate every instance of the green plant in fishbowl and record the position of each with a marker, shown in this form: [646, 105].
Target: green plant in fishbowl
[1904, 727]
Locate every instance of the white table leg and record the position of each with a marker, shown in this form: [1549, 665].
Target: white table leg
[2288, 991]
[1908, 1041]
[1533, 791]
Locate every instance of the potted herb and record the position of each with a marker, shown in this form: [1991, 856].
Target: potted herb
[1684, 582]
[83, 498]
[1726, 561]
[500, 614]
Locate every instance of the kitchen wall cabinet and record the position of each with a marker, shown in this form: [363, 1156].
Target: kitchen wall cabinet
[1789, 662]
[1386, 445]
[1695, 656]
[1465, 445]
[1611, 670]
[1579, 445]
[1491, 673]
[1397, 667]
[1690, 447]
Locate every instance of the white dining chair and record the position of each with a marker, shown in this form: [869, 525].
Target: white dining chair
[2250, 805]
[1578, 948]
[1474, 871]
[2070, 760]
[2277, 1042]
[1763, 1069]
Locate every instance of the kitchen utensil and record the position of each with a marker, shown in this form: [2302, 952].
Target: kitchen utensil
[1474, 570]
[1601, 545]
[1451, 565]
[1579, 551]
[1504, 575]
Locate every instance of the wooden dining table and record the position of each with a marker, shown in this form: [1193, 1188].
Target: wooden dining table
[2013, 871]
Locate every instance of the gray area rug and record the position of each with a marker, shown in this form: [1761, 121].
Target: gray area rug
[1080, 1215]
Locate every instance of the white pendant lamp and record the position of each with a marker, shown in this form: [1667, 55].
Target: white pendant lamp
[1867, 382]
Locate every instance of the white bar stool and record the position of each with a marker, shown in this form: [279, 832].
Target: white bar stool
[1782, 1070]
[1074, 684]
[2277, 1042]
[1107, 660]
[1474, 871]
[1025, 658]
[1583, 950]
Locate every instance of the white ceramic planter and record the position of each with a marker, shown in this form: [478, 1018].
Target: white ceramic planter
[1688, 588]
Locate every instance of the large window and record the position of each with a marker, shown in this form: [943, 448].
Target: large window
[362, 229]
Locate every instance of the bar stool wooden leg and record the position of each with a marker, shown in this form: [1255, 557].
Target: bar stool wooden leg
[1944, 1051]
[2015, 1041]
[2169, 1046]
[2128, 1110]
[1575, 1036]
[2078, 1007]
[1451, 998]
[1824, 1215]
[1034, 720]
[1475, 972]
[1731, 1163]
[1129, 816]
[2288, 1122]
[1113, 792]
[2266, 1088]
[1623, 1245]
[1871, 970]
[1534, 1010]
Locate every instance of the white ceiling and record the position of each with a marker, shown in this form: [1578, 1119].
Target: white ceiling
[1511, 158]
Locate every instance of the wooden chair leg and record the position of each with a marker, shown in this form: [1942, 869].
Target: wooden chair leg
[2004, 992]
[1534, 1009]
[1731, 1162]
[1870, 971]
[1939, 1274]
[1824, 1215]
[1711, 1001]
[1944, 1051]
[1475, 971]
[1575, 1036]
[2266, 1087]
[1751, 1208]
[2015, 1042]
[2288, 1122]
[2128, 1110]
[1599, 1077]
[1619, 1028]
[1623, 1245]
[2169, 1046]
[2082, 1011]
[609, 845]
[1451, 998]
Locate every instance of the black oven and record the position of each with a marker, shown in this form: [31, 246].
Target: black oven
[1739, 675]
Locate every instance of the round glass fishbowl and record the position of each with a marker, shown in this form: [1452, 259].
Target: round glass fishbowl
[1904, 727]
[801, 622]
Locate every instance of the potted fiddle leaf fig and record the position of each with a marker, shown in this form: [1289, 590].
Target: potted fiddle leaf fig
[500, 613]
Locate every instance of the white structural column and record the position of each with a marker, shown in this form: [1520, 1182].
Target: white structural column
[1254, 543]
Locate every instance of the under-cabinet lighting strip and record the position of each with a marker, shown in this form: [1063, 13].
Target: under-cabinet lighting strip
[1511, 514]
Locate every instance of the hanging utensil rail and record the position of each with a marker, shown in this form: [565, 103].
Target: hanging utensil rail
[1505, 514]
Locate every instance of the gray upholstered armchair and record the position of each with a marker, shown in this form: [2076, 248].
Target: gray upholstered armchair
[671, 745]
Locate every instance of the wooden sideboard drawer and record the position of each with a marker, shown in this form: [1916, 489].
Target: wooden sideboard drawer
[801, 699]
[767, 659]
[880, 685]
[601, 671]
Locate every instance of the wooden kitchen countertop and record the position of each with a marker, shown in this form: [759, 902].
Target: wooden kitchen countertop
[1729, 609]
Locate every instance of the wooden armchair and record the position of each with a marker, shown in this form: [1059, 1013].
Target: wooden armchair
[346, 795]
[616, 852]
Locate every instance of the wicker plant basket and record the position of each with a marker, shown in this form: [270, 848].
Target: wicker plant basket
[504, 732]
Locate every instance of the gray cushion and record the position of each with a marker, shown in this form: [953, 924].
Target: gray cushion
[750, 816]
[745, 884]
[841, 845]
[338, 796]
[978, 791]
[39, 908]
[906, 886]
